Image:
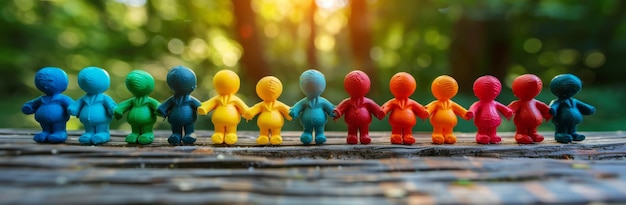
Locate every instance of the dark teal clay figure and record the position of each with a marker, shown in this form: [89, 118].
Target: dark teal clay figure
[50, 109]
[567, 111]
[312, 109]
[95, 108]
[180, 109]
[141, 108]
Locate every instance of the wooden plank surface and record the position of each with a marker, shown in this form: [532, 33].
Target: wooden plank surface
[335, 173]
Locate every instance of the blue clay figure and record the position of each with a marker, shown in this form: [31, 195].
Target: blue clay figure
[95, 108]
[313, 108]
[567, 111]
[180, 109]
[141, 108]
[51, 109]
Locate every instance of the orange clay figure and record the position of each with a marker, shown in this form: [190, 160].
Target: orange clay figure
[227, 107]
[272, 112]
[358, 109]
[403, 110]
[486, 116]
[443, 111]
[528, 112]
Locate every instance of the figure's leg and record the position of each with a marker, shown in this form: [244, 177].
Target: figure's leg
[177, 132]
[364, 134]
[438, 134]
[481, 135]
[102, 134]
[561, 133]
[521, 134]
[575, 136]
[59, 134]
[396, 135]
[189, 130]
[264, 136]
[320, 138]
[536, 136]
[407, 136]
[307, 135]
[46, 129]
[135, 132]
[231, 134]
[352, 138]
[218, 134]
[147, 136]
[276, 139]
[449, 135]
[493, 135]
[85, 138]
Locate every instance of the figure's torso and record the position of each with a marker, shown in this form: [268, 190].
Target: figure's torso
[487, 114]
[568, 113]
[528, 114]
[313, 113]
[182, 111]
[93, 110]
[357, 113]
[140, 113]
[51, 110]
[402, 114]
[443, 114]
[226, 113]
[270, 117]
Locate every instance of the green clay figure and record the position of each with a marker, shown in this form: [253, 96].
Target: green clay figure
[141, 108]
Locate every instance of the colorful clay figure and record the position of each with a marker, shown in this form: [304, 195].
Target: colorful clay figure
[227, 108]
[567, 111]
[141, 108]
[95, 108]
[180, 108]
[271, 111]
[50, 109]
[486, 110]
[403, 109]
[312, 109]
[358, 109]
[443, 111]
[528, 112]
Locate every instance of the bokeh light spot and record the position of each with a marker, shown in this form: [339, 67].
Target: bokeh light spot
[568, 56]
[424, 60]
[376, 53]
[595, 59]
[176, 46]
[532, 45]
[325, 42]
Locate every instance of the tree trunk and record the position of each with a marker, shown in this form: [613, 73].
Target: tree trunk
[360, 39]
[311, 51]
[254, 66]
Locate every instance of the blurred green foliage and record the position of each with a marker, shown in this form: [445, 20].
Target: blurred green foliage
[464, 39]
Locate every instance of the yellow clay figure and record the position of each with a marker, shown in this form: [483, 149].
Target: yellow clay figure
[272, 112]
[227, 108]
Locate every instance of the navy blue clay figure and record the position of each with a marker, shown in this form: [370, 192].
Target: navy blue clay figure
[95, 108]
[50, 109]
[313, 108]
[567, 111]
[180, 109]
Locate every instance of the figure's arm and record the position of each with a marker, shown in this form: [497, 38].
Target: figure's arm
[253, 111]
[584, 108]
[341, 108]
[195, 103]
[283, 109]
[374, 108]
[388, 106]
[297, 108]
[419, 110]
[543, 109]
[74, 108]
[207, 106]
[109, 104]
[514, 106]
[164, 109]
[328, 107]
[460, 111]
[431, 107]
[123, 107]
[31, 106]
[153, 104]
[239, 104]
[506, 111]
[554, 106]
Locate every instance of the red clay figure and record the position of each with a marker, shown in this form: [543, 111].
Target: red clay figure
[529, 113]
[403, 110]
[486, 117]
[358, 109]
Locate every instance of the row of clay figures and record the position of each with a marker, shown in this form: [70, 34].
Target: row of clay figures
[95, 109]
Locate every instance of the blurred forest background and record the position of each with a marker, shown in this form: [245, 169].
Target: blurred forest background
[427, 38]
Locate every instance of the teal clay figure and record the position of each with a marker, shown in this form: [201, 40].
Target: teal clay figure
[180, 109]
[141, 108]
[312, 109]
[567, 111]
[50, 109]
[95, 108]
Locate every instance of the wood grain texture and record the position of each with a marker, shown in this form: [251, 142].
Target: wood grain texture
[380, 173]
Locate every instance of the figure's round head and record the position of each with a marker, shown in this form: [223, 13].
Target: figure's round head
[565, 85]
[181, 80]
[269, 88]
[312, 83]
[93, 80]
[402, 85]
[226, 82]
[51, 80]
[139, 83]
[487, 87]
[444, 87]
[527, 86]
[357, 83]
